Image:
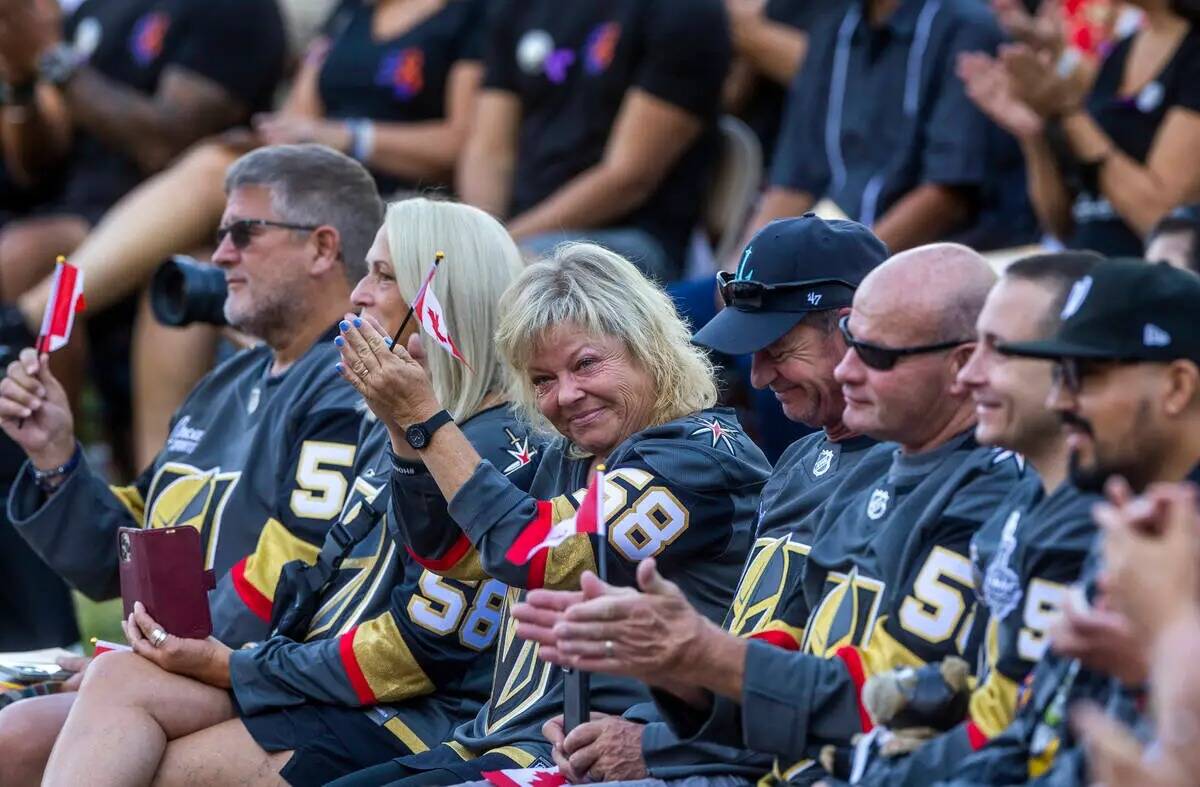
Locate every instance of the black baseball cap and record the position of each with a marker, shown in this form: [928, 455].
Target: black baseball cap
[1128, 310]
[821, 262]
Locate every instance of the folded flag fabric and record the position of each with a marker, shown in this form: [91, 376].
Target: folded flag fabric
[526, 777]
[543, 533]
[66, 299]
[433, 318]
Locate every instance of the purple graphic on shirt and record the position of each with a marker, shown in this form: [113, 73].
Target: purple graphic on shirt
[557, 63]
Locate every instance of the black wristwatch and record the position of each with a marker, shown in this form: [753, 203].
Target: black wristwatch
[419, 435]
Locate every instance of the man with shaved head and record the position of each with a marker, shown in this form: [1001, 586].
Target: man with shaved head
[888, 581]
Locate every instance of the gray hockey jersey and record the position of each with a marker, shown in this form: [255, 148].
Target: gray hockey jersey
[684, 492]
[250, 456]
[1027, 558]
[411, 647]
[888, 583]
[806, 475]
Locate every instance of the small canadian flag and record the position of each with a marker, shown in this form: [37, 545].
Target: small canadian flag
[66, 299]
[432, 317]
[526, 777]
[588, 519]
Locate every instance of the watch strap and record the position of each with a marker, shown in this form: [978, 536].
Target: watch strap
[437, 421]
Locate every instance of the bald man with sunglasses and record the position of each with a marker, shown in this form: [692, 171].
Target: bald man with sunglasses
[887, 581]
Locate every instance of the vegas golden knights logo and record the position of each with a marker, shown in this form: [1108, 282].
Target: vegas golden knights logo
[773, 562]
[521, 677]
[181, 494]
[846, 615]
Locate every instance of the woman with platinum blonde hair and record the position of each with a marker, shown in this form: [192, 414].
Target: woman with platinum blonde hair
[359, 664]
[599, 357]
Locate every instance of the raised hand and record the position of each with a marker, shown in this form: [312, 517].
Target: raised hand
[35, 413]
[393, 384]
[989, 86]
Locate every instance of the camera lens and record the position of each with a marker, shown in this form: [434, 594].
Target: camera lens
[184, 291]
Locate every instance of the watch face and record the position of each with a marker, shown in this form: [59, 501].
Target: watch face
[416, 436]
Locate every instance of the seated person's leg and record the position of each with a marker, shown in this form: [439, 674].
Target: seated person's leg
[175, 210]
[222, 754]
[167, 363]
[126, 711]
[27, 732]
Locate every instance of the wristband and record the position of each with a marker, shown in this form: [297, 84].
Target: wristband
[50, 480]
[362, 139]
[407, 468]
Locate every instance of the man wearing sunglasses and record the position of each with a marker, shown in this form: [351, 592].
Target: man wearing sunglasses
[1128, 393]
[260, 454]
[1032, 548]
[887, 580]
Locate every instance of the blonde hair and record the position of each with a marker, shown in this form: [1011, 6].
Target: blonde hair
[605, 295]
[481, 261]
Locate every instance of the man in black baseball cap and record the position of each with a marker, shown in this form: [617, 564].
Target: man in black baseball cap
[1128, 366]
[795, 279]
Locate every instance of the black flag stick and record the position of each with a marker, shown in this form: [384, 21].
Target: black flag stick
[437, 259]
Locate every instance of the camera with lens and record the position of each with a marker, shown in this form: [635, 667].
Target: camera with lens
[184, 291]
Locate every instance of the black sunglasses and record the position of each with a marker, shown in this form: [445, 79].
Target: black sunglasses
[1071, 372]
[241, 232]
[748, 295]
[884, 358]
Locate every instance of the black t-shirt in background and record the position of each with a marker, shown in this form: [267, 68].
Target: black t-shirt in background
[571, 64]
[238, 44]
[403, 79]
[1132, 122]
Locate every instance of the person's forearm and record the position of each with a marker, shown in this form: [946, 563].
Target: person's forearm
[417, 151]
[1176, 689]
[595, 198]
[775, 49]
[1135, 192]
[35, 137]
[136, 124]
[926, 214]
[1047, 191]
[485, 180]
[449, 457]
[172, 212]
[717, 665]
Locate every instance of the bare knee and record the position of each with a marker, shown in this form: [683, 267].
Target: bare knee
[28, 730]
[116, 675]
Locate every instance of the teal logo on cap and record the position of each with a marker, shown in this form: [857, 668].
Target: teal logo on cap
[742, 273]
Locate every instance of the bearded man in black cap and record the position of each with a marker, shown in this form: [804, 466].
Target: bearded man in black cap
[796, 279]
[1128, 392]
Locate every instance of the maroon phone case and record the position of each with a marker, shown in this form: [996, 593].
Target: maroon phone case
[164, 569]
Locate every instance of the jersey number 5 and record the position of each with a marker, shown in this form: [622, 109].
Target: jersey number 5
[939, 597]
[321, 491]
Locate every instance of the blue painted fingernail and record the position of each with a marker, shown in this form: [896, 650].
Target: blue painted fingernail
[339, 341]
[345, 326]
[337, 367]
[357, 323]
[388, 341]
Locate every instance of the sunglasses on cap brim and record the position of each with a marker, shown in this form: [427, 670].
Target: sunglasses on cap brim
[885, 358]
[750, 295]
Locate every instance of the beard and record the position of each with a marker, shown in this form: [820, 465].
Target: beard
[1088, 479]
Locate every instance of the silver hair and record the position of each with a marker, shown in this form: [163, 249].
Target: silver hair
[316, 185]
[605, 295]
[480, 262]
